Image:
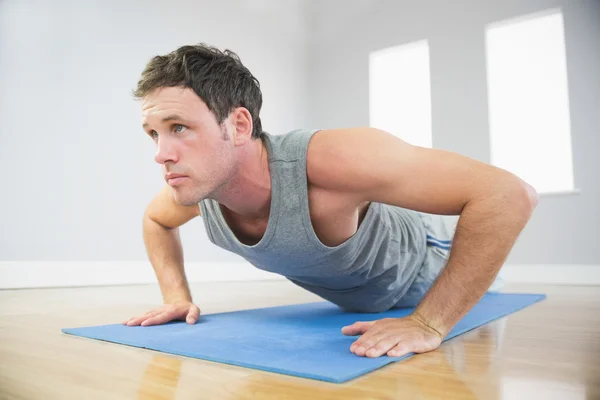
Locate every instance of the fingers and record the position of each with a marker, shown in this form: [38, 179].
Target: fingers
[169, 312]
[399, 350]
[357, 328]
[376, 340]
[411, 344]
[159, 319]
[134, 321]
[382, 346]
[393, 345]
[367, 342]
[371, 332]
[193, 315]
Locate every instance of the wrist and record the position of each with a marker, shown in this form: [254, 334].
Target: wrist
[175, 290]
[179, 296]
[431, 323]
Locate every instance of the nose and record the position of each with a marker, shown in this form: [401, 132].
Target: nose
[165, 151]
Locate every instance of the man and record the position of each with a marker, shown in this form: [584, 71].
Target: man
[349, 214]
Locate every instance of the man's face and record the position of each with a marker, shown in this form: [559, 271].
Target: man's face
[189, 142]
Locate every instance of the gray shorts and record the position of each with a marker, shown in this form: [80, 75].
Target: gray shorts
[440, 232]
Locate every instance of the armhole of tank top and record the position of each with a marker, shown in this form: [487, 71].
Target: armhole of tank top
[303, 192]
[205, 219]
[202, 207]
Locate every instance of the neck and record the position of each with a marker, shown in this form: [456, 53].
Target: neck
[247, 195]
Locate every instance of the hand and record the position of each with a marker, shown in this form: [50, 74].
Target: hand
[180, 310]
[393, 336]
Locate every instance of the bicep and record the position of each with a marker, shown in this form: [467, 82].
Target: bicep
[374, 165]
[163, 210]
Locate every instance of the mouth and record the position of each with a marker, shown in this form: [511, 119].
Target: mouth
[175, 179]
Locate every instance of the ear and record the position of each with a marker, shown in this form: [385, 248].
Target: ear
[241, 122]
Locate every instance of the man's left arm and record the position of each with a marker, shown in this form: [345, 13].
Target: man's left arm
[494, 206]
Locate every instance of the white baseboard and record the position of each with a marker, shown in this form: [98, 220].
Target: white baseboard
[40, 274]
[554, 274]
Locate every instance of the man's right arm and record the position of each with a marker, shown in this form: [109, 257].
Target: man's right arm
[162, 220]
[161, 223]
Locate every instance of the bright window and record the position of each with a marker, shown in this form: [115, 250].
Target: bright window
[399, 92]
[528, 100]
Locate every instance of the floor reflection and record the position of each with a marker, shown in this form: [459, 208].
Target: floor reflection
[160, 378]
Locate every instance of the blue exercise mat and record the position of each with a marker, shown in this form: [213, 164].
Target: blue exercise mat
[301, 340]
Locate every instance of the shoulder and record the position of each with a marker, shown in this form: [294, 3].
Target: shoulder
[343, 159]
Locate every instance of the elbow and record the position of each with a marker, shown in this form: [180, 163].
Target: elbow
[533, 196]
[526, 197]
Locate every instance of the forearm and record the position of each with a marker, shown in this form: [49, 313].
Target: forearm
[486, 232]
[165, 252]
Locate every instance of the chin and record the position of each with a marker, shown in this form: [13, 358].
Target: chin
[188, 201]
[186, 197]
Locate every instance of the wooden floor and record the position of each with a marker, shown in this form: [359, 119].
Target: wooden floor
[548, 351]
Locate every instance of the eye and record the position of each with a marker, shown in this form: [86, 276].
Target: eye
[179, 128]
[153, 134]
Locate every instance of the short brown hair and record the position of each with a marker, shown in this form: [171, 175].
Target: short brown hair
[218, 77]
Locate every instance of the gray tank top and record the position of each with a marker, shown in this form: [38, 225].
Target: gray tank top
[369, 272]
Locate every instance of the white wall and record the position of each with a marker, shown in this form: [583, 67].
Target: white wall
[77, 168]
